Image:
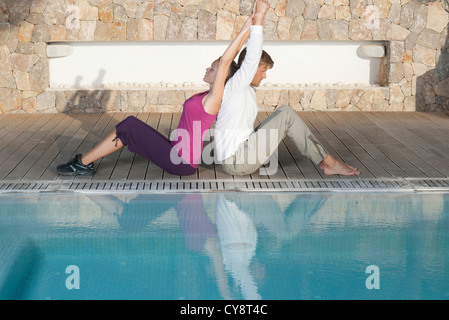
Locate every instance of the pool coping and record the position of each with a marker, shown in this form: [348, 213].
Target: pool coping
[303, 185]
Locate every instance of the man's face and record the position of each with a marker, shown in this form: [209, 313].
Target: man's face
[260, 75]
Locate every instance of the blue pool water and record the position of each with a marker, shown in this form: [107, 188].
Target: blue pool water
[225, 246]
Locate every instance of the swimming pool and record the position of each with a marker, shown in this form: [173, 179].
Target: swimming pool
[202, 246]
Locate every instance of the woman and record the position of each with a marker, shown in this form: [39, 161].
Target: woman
[198, 111]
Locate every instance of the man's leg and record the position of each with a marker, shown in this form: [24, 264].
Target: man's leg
[285, 121]
[255, 151]
[289, 121]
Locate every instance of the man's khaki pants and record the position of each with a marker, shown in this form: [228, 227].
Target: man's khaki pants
[263, 142]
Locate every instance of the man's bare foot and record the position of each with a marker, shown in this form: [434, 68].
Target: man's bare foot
[332, 166]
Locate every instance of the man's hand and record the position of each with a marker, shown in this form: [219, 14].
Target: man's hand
[262, 7]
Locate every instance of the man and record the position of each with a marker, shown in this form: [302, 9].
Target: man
[240, 148]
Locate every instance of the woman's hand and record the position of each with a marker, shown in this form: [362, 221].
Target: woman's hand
[248, 23]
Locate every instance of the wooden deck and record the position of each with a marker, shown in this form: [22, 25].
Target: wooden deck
[382, 145]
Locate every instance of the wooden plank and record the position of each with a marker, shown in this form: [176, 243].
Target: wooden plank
[12, 121]
[416, 147]
[388, 143]
[41, 154]
[45, 167]
[372, 145]
[438, 119]
[15, 127]
[426, 129]
[5, 119]
[349, 149]
[362, 147]
[31, 129]
[21, 156]
[435, 142]
[409, 148]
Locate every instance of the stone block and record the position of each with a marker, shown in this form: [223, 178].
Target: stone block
[271, 98]
[22, 80]
[189, 29]
[160, 27]
[225, 25]
[106, 11]
[7, 79]
[283, 28]
[339, 30]
[246, 7]
[296, 28]
[11, 103]
[39, 76]
[118, 31]
[442, 88]
[430, 39]
[358, 30]
[310, 30]
[294, 8]
[397, 33]
[437, 17]
[424, 55]
[17, 11]
[55, 12]
[46, 100]
[319, 101]
[232, 6]
[25, 33]
[342, 13]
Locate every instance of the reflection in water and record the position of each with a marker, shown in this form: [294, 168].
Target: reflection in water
[238, 245]
[238, 240]
[231, 241]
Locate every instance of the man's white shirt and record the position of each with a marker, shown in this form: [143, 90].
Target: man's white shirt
[235, 121]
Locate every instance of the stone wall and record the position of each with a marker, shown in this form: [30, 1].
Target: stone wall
[415, 73]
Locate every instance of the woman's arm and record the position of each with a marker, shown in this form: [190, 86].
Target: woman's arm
[212, 102]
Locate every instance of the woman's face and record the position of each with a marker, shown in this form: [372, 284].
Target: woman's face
[211, 72]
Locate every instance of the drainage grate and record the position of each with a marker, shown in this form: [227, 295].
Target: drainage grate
[435, 183]
[354, 185]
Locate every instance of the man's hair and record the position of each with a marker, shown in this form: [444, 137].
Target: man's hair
[265, 59]
[233, 68]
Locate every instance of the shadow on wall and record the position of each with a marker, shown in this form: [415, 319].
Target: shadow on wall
[89, 101]
[27, 86]
[432, 87]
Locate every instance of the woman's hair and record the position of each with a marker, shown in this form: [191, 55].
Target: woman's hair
[233, 68]
[264, 59]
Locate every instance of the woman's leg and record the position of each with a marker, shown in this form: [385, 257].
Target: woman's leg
[107, 146]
